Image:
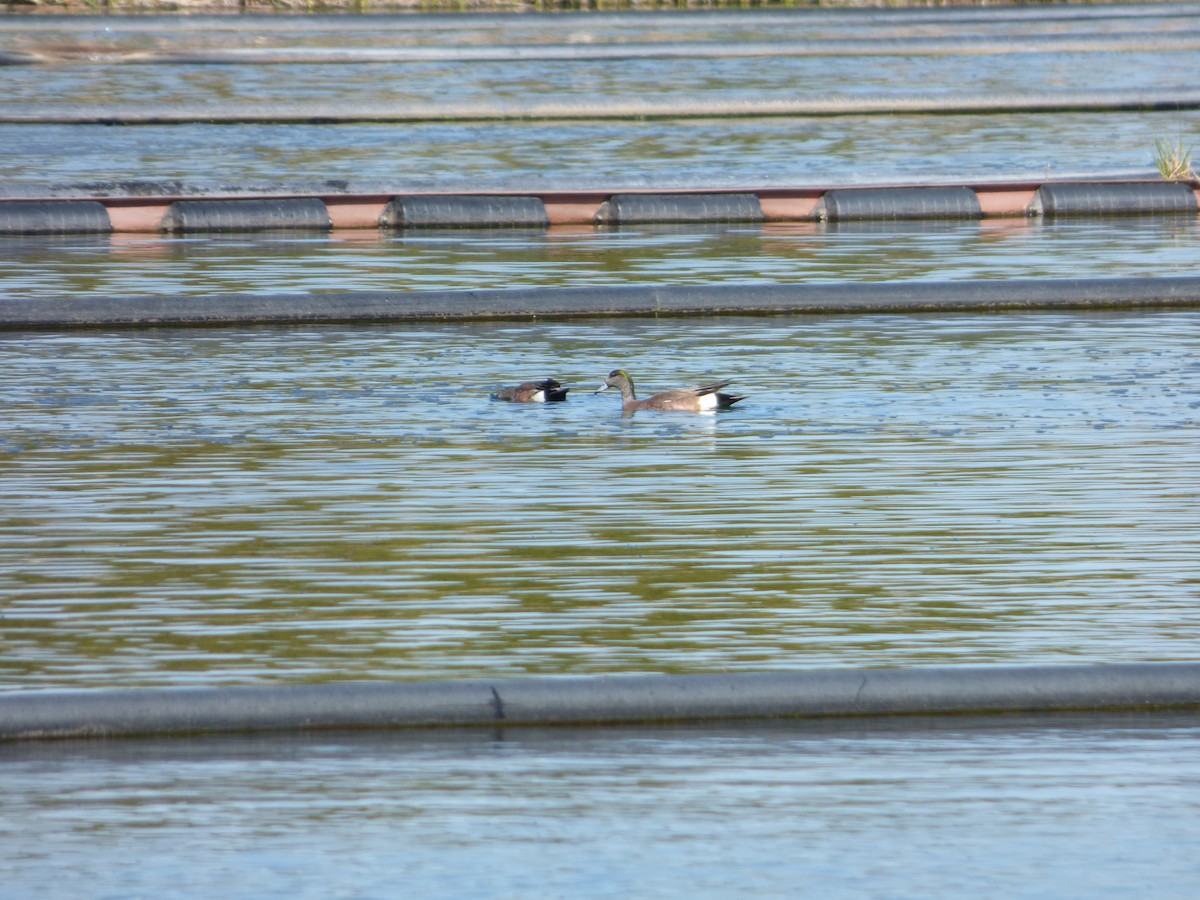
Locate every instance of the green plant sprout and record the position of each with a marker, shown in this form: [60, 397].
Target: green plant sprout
[1173, 160]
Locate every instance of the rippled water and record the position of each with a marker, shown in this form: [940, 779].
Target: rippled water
[184, 507]
[1023, 808]
[611, 155]
[269, 505]
[277, 504]
[83, 69]
[54, 269]
[777, 78]
[603, 155]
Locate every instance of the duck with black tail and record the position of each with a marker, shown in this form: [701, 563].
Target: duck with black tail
[705, 398]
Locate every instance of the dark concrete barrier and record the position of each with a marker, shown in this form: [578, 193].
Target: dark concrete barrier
[54, 217]
[645, 209]
[899, 203]
[247, 215]
[602, 700]
[1105, 199]
[634, 300]
[465, 211]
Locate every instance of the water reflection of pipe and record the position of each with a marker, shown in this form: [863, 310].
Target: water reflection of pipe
[603, 699]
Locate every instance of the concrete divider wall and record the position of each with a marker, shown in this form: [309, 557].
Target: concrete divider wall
[152, 211]
[602, 700]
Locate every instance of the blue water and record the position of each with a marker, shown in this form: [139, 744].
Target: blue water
[602, 155]
[138, 265]
[274, 505]
[89, 73]
[1101, 807]
[265, 505]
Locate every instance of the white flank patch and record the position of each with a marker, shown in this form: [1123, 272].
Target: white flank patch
[708, 401]
[539, 397]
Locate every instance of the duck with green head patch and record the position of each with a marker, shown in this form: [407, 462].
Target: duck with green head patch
[543, 391]
[699, 399]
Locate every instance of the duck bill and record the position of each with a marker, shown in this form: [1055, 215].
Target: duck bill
[604, 387]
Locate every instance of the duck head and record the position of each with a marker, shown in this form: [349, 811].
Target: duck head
[620, 380]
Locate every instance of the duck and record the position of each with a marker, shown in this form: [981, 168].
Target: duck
[699, 399]
[533, 392]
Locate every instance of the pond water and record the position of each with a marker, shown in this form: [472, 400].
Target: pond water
[593, 81]
[1063, 806]
[88, 74]
[273, 504]
[281, 505]
[603, 155]
[54, 269]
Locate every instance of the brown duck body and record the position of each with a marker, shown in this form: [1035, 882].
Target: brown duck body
[698, 399]
[533, 392]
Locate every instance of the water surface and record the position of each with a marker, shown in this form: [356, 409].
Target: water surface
[55, 269]
[270, 504]
[274, 505]
[84, 69]
[612, 155]
[1016, 807]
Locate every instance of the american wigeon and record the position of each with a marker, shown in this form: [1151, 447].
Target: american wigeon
[533, 392]
[698, 399]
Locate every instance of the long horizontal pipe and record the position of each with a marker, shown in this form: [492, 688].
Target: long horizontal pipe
[601, 700]
[385, 21]
[679, 107]
[971, 45]
[156, 310]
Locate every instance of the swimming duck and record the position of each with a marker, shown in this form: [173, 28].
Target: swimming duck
[698, 399]
[533, 392]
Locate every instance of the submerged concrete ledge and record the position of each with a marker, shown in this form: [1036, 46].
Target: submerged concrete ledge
[156, 310]
[602, 700]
